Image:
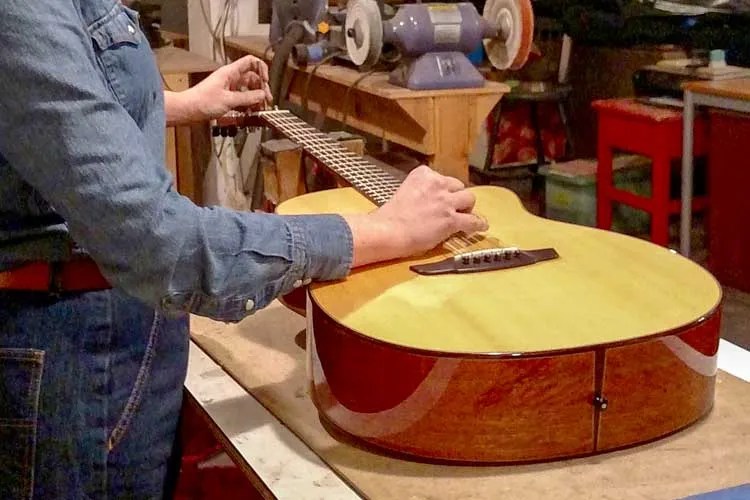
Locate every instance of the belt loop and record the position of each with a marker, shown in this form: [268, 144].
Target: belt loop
[55, 279]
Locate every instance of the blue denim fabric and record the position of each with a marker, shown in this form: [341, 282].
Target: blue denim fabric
[91, 384]
[90, 394]
[81, 170]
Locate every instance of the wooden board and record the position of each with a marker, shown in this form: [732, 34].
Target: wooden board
[375, 84]
[262, 353]
[733, 89]
[443, 125]
[188, 147]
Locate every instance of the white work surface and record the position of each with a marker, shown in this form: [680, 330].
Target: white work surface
[286, 465]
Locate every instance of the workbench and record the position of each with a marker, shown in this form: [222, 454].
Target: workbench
[250, 380]
[441, 125]
[731, 95]
[188, 147]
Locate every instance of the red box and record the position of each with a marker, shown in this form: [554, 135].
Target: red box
[729, 188]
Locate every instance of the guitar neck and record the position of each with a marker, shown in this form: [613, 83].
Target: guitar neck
[376, 184]
[368, 179]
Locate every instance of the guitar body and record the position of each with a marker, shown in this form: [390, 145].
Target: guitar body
[610, 345]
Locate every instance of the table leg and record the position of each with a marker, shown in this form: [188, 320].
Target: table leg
[687, 173]
[457, 124]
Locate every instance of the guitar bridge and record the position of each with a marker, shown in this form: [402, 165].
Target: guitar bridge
[486, 260]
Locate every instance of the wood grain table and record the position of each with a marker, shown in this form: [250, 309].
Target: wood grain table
[441, 125]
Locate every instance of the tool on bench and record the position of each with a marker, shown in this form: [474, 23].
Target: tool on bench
[425, 45]
[434, 40]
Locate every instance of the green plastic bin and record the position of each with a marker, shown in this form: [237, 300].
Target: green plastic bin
[570, 192]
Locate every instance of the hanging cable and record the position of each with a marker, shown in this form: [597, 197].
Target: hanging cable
[346, 97]
[306, 92]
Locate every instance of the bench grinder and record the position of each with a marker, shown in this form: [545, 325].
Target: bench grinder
[434, 39]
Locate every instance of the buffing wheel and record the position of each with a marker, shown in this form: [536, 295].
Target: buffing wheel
[515, 20]
[364, 32]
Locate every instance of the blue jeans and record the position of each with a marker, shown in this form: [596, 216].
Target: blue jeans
[90, 395]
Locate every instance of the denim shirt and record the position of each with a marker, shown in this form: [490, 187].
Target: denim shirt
[81, 171]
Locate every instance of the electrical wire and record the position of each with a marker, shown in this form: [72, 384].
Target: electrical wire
[231, 7]
[218, 35]
[359, 80]
[220, 32]
[306, 92]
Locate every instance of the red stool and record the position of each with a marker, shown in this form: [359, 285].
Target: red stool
[655, 132]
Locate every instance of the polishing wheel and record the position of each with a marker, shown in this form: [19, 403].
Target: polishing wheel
[506, 28]
[364, 32]
[515, 22]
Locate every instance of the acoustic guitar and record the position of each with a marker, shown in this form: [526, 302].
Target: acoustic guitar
[539, 340]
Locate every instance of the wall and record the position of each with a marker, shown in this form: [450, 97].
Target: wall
[601, 73]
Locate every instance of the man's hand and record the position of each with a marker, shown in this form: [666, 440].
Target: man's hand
[240, 85]
[426, 210]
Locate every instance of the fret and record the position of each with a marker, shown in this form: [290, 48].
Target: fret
[369, 179]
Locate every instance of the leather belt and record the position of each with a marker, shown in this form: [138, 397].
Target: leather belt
[74, 276]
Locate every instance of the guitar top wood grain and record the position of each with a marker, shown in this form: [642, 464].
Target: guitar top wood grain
[605, 287]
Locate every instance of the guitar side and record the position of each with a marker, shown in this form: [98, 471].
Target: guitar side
[611, 345]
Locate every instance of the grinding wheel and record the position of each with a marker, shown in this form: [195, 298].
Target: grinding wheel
[515, 20]
[364, 32]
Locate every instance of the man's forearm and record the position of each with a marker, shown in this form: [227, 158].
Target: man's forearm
[179, 111]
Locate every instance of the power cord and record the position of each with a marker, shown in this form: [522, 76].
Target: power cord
[306, 92]
[354, 85]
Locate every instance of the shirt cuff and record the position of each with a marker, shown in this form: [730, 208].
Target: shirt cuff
[322, 246]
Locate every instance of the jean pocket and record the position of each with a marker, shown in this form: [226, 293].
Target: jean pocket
[139, 386]
[20, 384]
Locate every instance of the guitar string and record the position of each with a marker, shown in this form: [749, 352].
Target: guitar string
[379, 187]
[329, 151]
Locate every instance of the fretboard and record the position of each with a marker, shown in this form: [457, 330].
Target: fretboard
[368, 179]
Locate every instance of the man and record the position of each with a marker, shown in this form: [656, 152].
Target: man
[101, 260]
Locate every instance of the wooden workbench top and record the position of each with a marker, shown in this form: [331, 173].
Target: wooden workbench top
[376, 83]
[733, 89]
[262, 353]
[173, 60]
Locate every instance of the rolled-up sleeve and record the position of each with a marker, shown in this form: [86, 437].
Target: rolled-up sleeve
[67, 135]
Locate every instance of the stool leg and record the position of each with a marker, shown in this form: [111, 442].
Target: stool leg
[492, 137]
[534, 109]
[603, 185]
[561, 106]
[660, 196]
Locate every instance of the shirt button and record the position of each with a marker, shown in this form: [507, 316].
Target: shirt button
[131, 29]
[249, 305]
